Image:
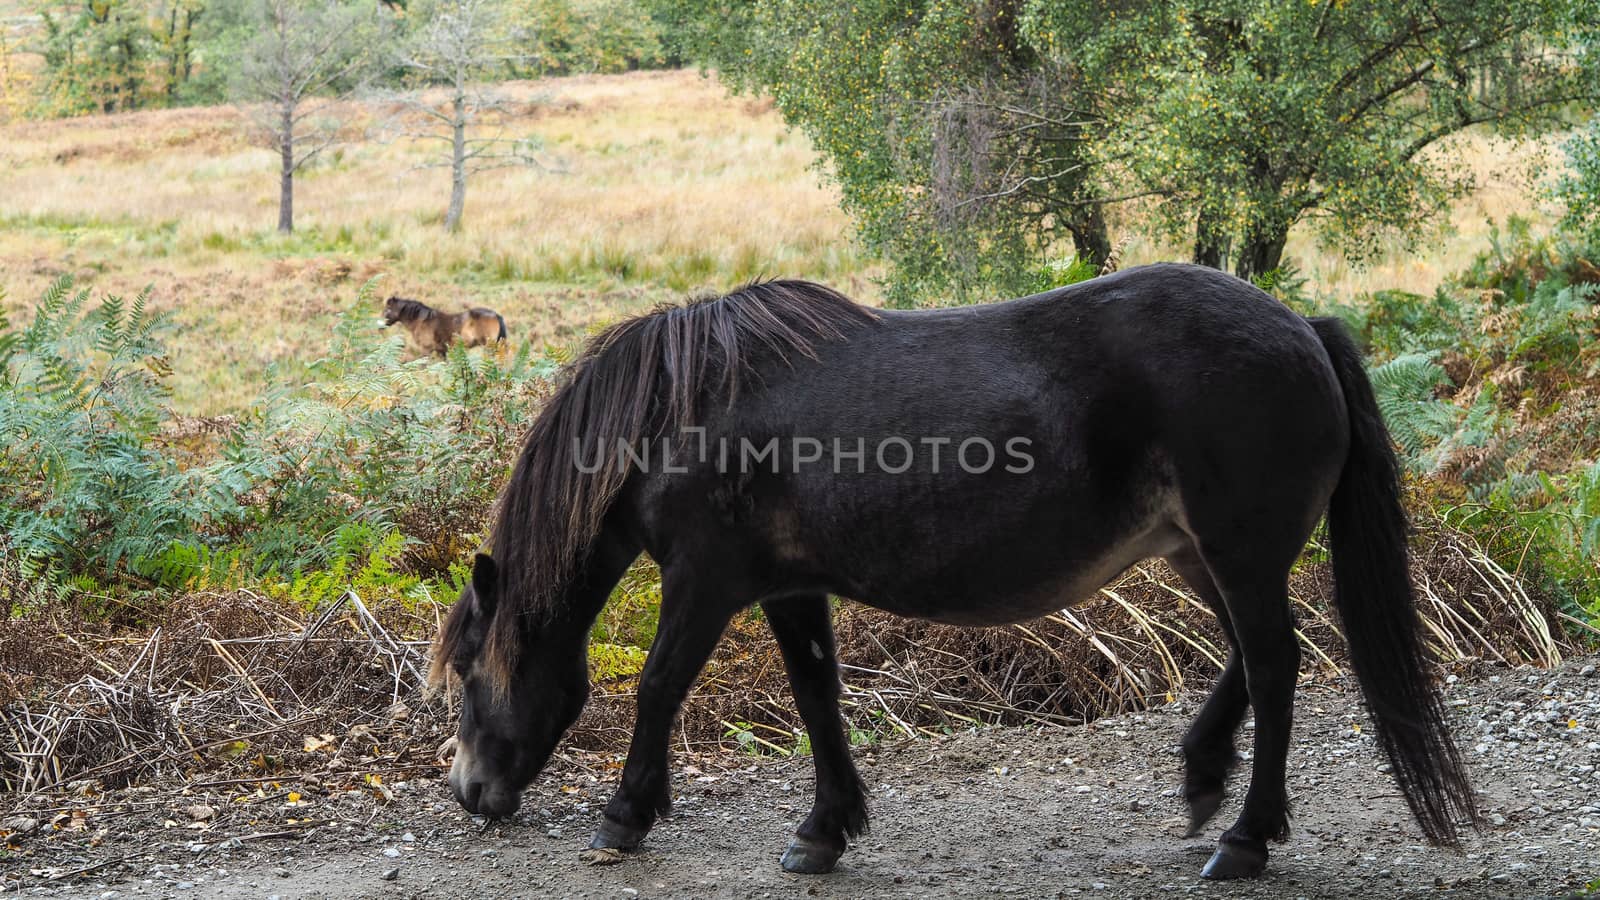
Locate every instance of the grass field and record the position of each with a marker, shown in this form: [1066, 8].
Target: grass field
[659, 184]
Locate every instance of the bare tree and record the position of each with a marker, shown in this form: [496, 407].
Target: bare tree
[463, 44]
[301, 57]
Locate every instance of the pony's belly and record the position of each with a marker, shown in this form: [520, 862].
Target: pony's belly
[996, 610]
[1054, 588]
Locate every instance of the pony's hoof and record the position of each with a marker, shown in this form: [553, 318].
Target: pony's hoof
[616, 836]
[1235, 860]
[1201, 808]
[807, 856]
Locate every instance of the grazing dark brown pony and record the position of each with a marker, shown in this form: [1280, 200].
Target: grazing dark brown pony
[978, 466]
[434, 330]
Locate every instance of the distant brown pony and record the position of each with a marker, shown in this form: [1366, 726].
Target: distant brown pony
[434, 330]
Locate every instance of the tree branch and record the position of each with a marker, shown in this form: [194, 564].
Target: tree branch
[1413, 32]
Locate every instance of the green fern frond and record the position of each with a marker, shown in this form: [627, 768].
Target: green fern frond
[52, 302]
[108, 334]
[1417, 420]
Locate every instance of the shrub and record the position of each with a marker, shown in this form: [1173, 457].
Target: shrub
[1491, 389]
[415, 446]
[1062, 272]
[83, 487]
[1579, 186]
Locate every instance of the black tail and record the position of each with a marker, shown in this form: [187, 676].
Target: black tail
[1367, 532]
[502, 336]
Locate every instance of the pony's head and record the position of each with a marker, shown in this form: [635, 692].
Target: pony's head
[399, 309]
[516, 701]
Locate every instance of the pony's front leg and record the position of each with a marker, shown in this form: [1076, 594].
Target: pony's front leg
[804, 631]
[691, 624]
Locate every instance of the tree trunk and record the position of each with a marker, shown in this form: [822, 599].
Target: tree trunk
[1262, 251]
[187, 70]
[180, 66]
[286, 171]
[1262, 248]
[458, 165]
[1210, 244]
[172, 58]
[1090, 238]
[130, 79]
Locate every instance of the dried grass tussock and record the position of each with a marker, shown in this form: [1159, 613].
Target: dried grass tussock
[229, 685]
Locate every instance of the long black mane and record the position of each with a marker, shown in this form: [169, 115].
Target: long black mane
[407, 310]
[639, 377]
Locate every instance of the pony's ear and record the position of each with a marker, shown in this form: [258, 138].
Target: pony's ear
[485, 584]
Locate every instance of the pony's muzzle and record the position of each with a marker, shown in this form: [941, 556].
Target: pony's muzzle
[467, 794]
[480, 796]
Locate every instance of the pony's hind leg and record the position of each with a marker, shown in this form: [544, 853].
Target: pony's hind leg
[1257, 602]
[804, 630]
[692, 621]
[1208, 754]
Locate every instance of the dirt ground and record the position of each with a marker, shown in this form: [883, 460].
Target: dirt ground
[1022, 812]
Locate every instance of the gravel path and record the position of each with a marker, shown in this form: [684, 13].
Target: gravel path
[1062, 812]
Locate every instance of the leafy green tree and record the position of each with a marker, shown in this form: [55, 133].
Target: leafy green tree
[962, 152]
[172, 28]
[1579, 186]
[95, 56]
[216, 47]
[117, 55]
[1250, 116]
[15, 81]
[972, 141]
[568, 36]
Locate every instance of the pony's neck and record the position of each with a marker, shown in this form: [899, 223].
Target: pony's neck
[607, 561]
[573, 616]
[577, 614]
